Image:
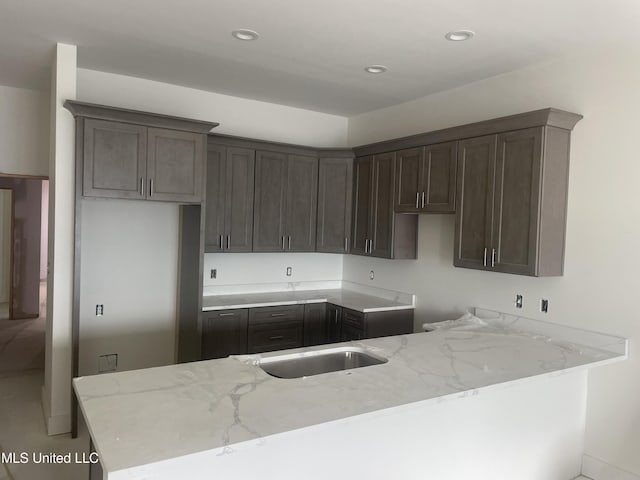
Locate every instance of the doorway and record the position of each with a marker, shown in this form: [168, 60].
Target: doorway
[6, 253]
[24, 206]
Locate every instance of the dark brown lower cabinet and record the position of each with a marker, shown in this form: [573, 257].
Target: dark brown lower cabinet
[333, 323]
[265, 329]
[344, 324]
[275, 328]
[224, 333]
[315, 324]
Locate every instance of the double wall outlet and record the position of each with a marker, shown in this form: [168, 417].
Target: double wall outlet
[99, 310]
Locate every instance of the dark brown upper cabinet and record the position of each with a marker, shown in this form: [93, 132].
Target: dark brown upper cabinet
[512, 199]
[229, 199]
[285, 203]
[426, 179]
[138, 155]
[335, 187]
[377, 231]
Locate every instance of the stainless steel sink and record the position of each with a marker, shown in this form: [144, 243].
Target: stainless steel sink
[319, 361]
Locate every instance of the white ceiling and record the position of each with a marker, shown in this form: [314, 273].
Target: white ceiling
[311, 54]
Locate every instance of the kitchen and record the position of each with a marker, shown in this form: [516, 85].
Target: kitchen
[571, 83]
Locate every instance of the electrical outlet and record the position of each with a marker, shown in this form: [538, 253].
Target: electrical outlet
[214, 273]
[518, 301]
[99, 310]
[371, 275]
[108, 363]
[289, 271]
[544, 305]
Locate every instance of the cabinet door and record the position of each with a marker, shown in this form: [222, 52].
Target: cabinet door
[238, 219]
[115, 160]
[215, 199]
[224, 333]
[334, 323]
[409, 174]
[335, 187]
[382, 212]
[439, 178]
[175, 163]
[476, 167]
[362, 205]
[269, 202]
[517, 193]
[301, 204]
[315, 324]
[353, 325]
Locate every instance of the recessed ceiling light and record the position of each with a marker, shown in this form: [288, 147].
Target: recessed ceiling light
[459, 35]
[244, 34]
[376, 69]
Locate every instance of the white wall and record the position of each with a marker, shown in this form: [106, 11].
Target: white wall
[248, 268]
[56, 393]
[24, 131]
[237, 116]
[130, 249]
[599, 288]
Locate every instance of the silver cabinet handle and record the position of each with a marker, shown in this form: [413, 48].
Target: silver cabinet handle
[220, 242]
[346, 244]
[366, 245]
[336, 316]
[422, 199]
[484, 257]
[283, 242]
[289, 241]
[278, 314]
[417, 199]
[227, 242]
[151, 187]
[276, 337]
[493, 257]
[229, 314]
[141, 186]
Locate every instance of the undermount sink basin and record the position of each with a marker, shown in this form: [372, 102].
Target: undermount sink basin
[320, 361]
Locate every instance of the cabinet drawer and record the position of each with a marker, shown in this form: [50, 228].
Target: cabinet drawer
[278, 335]
[353, 318]
[276, 314]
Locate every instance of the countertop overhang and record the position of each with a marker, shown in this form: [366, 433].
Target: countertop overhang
[145, 416]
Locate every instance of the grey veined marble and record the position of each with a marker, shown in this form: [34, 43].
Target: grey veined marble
[145, 416]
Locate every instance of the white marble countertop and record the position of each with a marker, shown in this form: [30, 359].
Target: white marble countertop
[145, 416]
[341, 296]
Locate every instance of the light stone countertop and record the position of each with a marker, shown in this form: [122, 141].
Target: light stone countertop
[145, 416]
[343, 297]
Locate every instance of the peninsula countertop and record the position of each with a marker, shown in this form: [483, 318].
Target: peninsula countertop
[146, 416]
[341, 296]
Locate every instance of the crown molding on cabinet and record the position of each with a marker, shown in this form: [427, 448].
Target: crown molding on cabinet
[546, 117]
[124, 115]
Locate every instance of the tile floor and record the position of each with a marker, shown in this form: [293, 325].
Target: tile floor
[22, 427]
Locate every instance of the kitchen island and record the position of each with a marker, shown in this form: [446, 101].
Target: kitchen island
[504, 398]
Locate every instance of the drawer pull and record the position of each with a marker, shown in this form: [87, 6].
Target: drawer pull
[276, 337]
[278, 314]
[228, 314]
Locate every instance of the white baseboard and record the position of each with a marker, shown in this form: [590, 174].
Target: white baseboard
[56, 425]
[599, 470]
